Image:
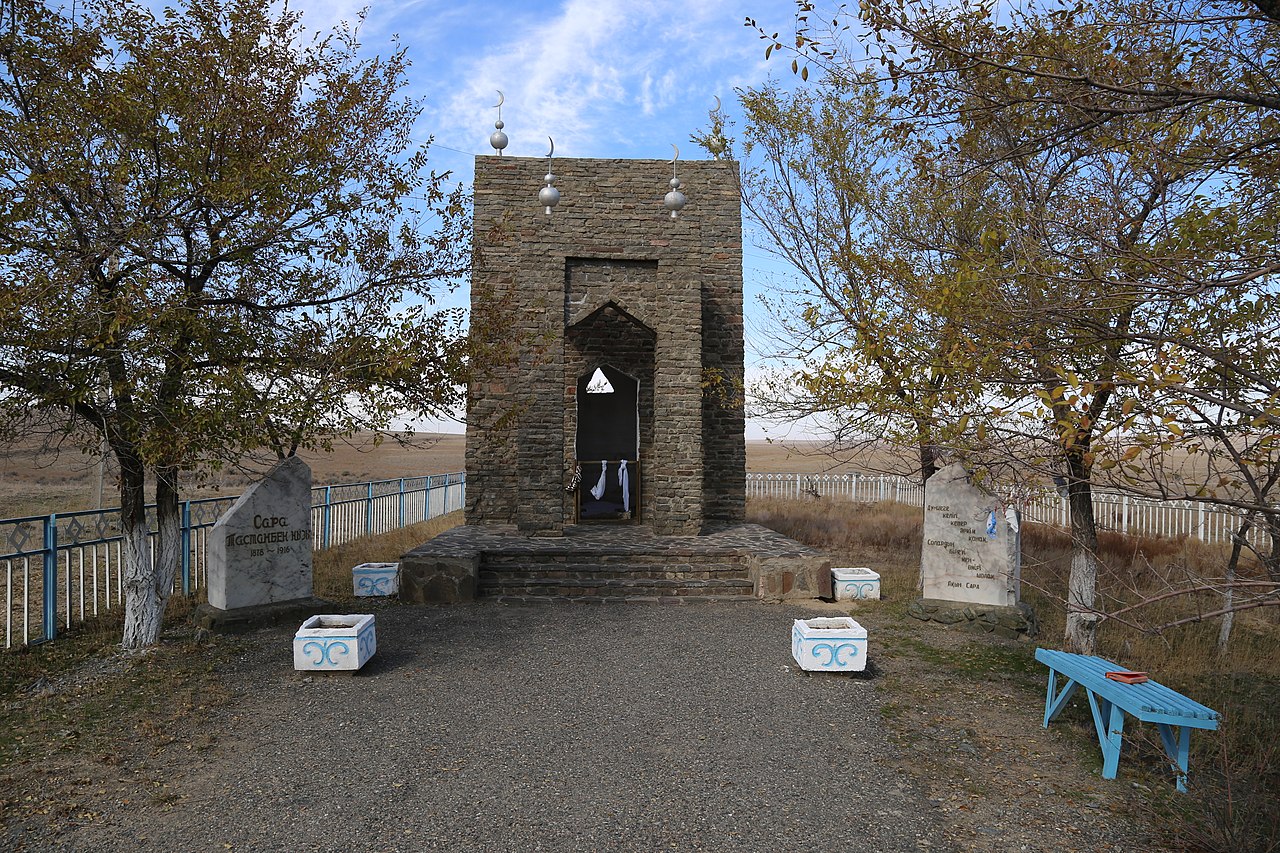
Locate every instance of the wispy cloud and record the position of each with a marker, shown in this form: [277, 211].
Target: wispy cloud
[589, 69]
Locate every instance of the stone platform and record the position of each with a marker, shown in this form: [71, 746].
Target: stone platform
[243, 619]
[1008, 622]
[599, 563]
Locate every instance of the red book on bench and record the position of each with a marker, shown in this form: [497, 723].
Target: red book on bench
[1124, 676]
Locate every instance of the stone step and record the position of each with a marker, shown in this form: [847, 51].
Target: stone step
[676, 560]
[619, 599]
[612, 588]
[591, 571]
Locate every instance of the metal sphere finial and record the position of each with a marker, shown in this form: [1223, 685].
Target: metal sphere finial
[549, 196]
[498, 139]
[674, 201]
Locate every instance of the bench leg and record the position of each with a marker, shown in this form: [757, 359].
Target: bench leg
[1177, 744]
[1054, 702]
[1108, 720]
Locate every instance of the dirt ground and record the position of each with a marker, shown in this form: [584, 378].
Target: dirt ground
[965, 712]
[124, 740]
[99, 739]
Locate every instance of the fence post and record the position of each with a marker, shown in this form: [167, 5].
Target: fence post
[186, 548]
[368, 509]
[444, 505]
[327, 491]
[1201, 532]
[402, 501]
[51, 576]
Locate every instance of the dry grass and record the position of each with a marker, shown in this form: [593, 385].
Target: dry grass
[331, 569]
[1236, 771]
[35, 480]
[884, 535]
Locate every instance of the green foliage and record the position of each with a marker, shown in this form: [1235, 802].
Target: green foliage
[874, 327]
[206, 230]
[217, 237]
[1115, 261]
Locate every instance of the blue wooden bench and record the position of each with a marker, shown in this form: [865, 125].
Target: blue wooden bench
[1174, 714]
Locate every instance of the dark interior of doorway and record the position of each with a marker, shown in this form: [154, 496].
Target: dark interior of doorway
[608, 435]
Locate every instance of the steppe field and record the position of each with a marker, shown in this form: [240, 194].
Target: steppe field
[36, 479]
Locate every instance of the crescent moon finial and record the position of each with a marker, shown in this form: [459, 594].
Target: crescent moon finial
[677, 157]
[716, 110]
[501, 98]
[553, 147]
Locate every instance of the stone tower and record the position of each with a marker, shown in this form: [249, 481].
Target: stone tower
[608, 284]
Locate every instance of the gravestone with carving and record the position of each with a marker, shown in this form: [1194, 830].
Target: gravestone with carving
[970, 560]
[259, 552]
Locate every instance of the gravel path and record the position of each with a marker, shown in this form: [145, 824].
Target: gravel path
[487, 727]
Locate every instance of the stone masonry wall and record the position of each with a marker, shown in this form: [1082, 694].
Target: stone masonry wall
[536, 277]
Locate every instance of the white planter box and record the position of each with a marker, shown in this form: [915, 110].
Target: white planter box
[829, 644]
[334, 643]
[369, 579]
[852, 584]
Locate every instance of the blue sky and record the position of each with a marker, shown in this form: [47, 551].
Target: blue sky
[605, 78]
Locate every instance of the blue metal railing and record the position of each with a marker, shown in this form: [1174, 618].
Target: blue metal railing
[86, 546]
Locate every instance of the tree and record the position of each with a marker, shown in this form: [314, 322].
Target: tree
[871, 349]
[210, 245]
[1132, 138]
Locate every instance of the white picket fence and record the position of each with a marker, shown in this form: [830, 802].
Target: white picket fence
[63, 568]
[1121, 513]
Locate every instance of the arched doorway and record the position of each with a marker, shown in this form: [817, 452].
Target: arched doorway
[607, 445]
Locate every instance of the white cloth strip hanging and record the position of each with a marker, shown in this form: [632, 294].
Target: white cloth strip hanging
[597, 491]
[624, 480]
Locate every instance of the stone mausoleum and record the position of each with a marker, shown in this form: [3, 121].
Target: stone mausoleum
[605, 428]
[609, 282]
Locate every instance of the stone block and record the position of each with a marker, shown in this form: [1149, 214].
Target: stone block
[1002, 621]
[244, 619]
[327, 643]
[375, 579]
[852, 584]
[438, 579]
[972, 544]
[790, 578]
[829, 644]
[260, 549]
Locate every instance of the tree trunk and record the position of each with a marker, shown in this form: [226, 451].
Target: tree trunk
[928, 461]
[141, 626]
[1229, 594]
[1082, 583]
[1272, 560]
[169, 527]
[927, 449]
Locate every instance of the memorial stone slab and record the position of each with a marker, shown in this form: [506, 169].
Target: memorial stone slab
[972, 545]
[260, 549]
